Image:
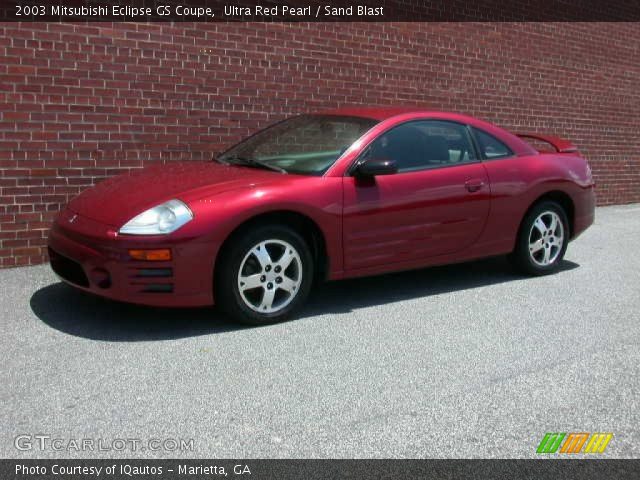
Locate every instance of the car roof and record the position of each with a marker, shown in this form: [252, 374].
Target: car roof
[384, 113]
[374, 113]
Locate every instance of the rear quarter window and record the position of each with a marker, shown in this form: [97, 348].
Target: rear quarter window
[490, 147]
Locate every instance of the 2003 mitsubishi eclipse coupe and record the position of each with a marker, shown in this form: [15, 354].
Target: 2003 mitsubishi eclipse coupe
[339, 194]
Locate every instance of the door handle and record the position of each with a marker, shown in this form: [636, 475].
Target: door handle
[473, 185]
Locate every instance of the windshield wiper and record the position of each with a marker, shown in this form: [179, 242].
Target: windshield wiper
[252, 162]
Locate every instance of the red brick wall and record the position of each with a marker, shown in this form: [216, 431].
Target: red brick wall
[80, 102]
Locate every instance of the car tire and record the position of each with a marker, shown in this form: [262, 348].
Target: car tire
[265, 275]
[542, 240]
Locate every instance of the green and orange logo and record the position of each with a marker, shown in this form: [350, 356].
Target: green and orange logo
[573, 442]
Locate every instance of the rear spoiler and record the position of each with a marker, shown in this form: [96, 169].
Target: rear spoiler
[559, 144]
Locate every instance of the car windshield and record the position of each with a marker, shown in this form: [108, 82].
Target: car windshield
[308, 144]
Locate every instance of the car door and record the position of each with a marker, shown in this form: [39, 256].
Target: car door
[436, 204]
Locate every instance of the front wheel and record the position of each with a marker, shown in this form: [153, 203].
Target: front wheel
[542, 240]
[264, 275]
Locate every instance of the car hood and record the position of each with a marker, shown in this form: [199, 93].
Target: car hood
[117, 200]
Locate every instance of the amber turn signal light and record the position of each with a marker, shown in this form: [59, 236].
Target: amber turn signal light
[161, 255]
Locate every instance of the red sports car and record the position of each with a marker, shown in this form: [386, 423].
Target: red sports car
[338, 194]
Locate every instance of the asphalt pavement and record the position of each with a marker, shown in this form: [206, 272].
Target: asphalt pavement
[470, 360]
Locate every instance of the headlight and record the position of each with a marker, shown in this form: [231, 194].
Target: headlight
[165, 218]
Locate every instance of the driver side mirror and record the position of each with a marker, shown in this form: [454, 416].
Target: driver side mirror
[374, 167]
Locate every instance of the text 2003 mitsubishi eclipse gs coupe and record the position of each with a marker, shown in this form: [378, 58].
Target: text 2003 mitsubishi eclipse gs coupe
[339, 194]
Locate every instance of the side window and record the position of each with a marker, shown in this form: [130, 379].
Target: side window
[490, 146]
[424, 144]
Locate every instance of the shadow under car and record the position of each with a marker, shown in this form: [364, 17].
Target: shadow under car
[75, 312]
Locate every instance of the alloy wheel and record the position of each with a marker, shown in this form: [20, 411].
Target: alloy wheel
[546, 238]
[270, 275]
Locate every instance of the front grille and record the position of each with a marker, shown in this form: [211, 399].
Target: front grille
[151, 279]
[158, 288]
[154, 272]
[67, 269]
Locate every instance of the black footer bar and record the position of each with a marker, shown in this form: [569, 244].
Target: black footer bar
[318, 469]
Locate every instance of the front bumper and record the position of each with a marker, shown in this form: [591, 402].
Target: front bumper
[90, 256]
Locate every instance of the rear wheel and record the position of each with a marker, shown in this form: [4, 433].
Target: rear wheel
[264, 275]
[542, 240]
